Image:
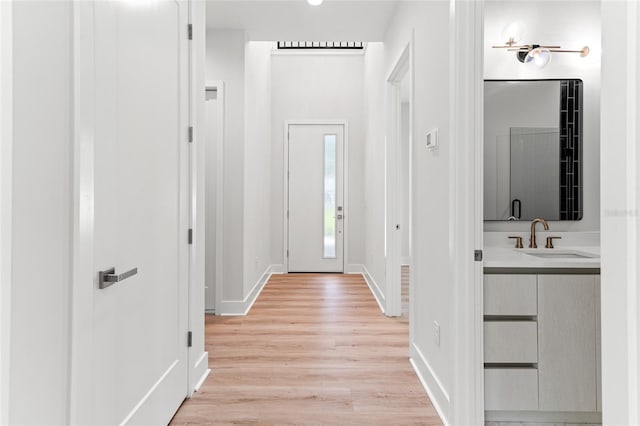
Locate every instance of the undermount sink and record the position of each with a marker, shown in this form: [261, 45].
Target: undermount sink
[564, 254]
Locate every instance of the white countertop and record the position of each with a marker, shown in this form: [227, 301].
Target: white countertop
[500, 252]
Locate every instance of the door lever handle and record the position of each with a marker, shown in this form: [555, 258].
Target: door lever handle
[109, 277]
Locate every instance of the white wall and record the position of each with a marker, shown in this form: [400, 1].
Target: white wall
[374, 165]
[316, 86]
[245, 70]
[6, 145]
[620, 213]
[225, 62]
[432, 297]
[42, 173]
[572, 25]
[257, 165]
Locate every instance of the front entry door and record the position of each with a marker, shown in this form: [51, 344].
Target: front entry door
[139, 324]
[315, 208]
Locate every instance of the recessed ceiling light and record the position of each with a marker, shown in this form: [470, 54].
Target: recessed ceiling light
[315, 2]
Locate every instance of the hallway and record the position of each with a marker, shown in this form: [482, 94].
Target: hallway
[314, 349]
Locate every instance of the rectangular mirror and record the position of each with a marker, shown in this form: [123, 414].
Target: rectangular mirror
[533, 149]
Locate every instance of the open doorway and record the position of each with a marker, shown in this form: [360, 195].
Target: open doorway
[404, 191]
[214, 140]
[398, 188]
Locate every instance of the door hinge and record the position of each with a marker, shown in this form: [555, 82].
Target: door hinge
[190, 133]
[190, 237]
[477, 255]
[190, 32]
[189, 339]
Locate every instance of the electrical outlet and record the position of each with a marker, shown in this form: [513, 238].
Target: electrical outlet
[436, 332]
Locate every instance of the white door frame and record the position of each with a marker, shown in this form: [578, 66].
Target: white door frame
[620, 215]
[466, 177]
[84, 274]
[403, 67]
[345, 183]
[198, 357]
[219, 86]
[6, 160]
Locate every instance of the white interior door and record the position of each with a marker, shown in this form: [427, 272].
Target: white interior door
[315, 203]
[139, 331]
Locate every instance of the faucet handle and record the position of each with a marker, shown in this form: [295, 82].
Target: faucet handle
[518, 241]
[550, 241]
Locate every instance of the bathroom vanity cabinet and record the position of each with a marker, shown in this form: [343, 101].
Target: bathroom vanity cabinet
[542, 342]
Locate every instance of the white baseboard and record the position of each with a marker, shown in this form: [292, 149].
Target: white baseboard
[353, 268]
[373, 286]
[430, 382]
[277, 269]
[146, 410]
[199, 371]
[242, 307]
[544, 418]
[202, 379]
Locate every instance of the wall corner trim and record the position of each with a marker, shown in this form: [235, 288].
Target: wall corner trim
[373, 286]
[242, 307]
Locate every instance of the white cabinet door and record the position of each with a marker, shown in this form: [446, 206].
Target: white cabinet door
[510, 295]
[510, 389]
[567, 342]
[510, 342]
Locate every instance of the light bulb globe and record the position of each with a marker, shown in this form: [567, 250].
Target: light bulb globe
[539, 56]
[512, 34]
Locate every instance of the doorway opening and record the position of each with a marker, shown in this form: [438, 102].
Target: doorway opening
[214, 169]
[398, 186]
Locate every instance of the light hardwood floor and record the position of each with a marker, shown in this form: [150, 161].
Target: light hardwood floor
[314, 349]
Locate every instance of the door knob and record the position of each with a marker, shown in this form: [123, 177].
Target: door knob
[109, 277]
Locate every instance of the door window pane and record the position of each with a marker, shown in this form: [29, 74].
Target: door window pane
[329, 196]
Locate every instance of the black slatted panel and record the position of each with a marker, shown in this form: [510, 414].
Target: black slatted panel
[570, 150]
[284, 45]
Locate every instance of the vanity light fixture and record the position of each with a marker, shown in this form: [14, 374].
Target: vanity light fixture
[537, 54]
[315, 2]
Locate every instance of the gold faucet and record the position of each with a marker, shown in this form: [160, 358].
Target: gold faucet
[532, 239]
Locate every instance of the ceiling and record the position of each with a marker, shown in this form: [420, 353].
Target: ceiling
[334, 20]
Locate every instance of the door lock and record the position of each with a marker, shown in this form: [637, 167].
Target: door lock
[339, 217]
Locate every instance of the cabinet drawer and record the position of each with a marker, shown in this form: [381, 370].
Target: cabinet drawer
[510, 295]
[511, 341]
[510, 389]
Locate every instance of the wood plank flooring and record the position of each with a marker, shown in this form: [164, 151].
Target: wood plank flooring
[314, 349]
